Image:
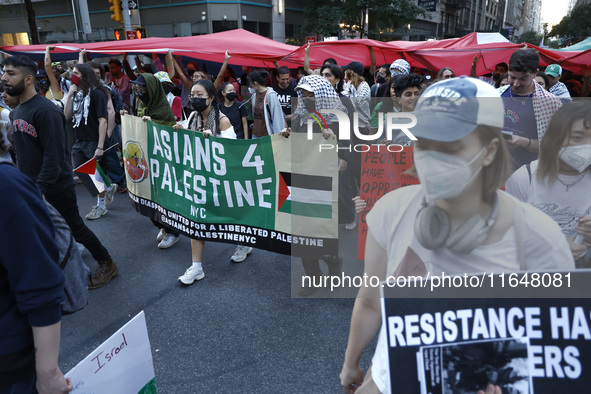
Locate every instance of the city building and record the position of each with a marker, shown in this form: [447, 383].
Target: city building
[456, 18]
[277, 19]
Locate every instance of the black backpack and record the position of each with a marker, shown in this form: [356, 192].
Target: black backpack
[117, 101]
[75, 270]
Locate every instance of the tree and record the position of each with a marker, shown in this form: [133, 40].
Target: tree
[576, 26]
[531, 37]
[324, 17]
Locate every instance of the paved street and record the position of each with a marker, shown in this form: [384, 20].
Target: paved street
[237, 330]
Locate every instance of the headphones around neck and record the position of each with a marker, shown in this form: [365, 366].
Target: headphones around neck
[432, 229]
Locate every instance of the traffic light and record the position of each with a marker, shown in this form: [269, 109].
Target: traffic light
[140, 32]
[116, 12]
[119, 34]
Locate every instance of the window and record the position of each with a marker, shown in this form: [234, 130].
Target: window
[219, 26]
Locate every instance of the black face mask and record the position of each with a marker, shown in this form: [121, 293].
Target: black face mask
[167, 88]
[231, 96]
[44, 84]
[144, 97]
[380, 79]
[199, 104]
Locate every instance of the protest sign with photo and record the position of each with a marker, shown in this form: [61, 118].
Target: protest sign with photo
[523, 345]
[275, 193]
[120, 365]
[381, 172]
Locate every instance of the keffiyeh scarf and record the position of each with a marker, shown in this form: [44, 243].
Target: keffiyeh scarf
[325, 98]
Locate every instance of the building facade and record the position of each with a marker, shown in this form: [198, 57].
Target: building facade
[456, 18]
[277, 19]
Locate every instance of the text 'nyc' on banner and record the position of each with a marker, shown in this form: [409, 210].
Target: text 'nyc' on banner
[276, 193]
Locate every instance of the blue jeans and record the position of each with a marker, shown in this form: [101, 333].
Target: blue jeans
[27, 386]
[111, 165]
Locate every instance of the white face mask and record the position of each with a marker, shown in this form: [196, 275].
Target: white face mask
[251, 90]
[577, 156]
[443, 175]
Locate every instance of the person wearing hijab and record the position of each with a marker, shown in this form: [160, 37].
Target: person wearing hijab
[153, 102]
[316, 94]
[154, 106]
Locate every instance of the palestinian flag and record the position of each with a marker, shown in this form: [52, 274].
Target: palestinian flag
[92, 176]
[305, 195]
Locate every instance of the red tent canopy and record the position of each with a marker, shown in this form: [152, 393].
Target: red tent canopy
[460, 60]
[346, 51]
[579, 63]
[246, 48]
[250, 49]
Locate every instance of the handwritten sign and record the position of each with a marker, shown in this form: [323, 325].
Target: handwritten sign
[122, 364]
[381, 172]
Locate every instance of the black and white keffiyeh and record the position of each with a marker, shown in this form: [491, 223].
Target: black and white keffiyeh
[325, 97]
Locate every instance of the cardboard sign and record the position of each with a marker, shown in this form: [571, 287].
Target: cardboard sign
[120, 365]
[381, 172]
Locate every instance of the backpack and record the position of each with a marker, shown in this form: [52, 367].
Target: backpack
[117, 101]
[70, 261]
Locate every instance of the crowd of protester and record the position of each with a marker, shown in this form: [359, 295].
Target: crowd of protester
[536, 142]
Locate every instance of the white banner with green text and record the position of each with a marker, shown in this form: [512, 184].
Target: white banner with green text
[273, 193]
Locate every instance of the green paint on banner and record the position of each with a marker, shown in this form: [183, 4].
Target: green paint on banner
[307, 209]
[149, 388]
[212, 180]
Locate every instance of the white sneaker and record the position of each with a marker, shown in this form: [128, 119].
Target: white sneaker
[161, 235]
[351, 226]
[168, 241]
[96, 212]
[110, 194]
[241, 253]
[191, 275]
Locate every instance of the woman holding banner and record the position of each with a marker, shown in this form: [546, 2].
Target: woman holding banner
[559, 183]
[207, 119]
[456, 221]
[154, 106]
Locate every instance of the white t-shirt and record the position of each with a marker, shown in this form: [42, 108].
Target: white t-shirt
[391, 222]
[565, 207]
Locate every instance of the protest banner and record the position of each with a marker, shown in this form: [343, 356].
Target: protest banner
[276, 193]
[120, 365]
[381, 172]
[523, 344]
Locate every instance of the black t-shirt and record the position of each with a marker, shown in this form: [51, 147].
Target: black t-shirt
[235, 114]
[89, 130]
[41, 144]
[285, 96]
[520, 119]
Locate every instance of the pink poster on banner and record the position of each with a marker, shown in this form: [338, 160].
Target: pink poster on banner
[381, 172]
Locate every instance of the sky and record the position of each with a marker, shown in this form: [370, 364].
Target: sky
[553, 11]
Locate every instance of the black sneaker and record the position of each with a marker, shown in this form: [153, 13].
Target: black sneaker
[122, 188]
